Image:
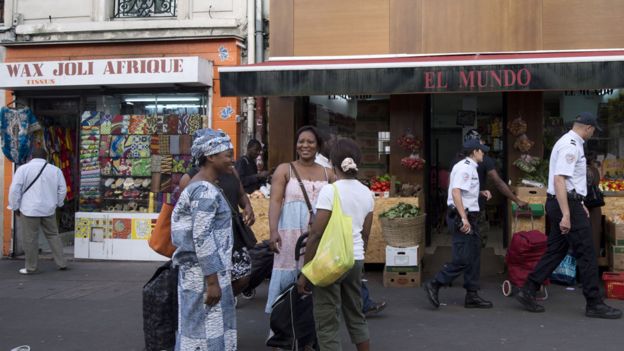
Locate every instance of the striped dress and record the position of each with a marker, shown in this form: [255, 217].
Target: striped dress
[293, 222]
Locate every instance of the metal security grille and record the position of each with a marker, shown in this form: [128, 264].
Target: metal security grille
[144, 8]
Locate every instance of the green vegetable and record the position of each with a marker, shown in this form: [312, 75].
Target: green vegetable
[401, 210]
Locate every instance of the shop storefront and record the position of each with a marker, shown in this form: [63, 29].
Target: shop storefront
[120, 129]
[511, 99]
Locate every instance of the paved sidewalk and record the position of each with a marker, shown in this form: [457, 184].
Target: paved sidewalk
[96, 306]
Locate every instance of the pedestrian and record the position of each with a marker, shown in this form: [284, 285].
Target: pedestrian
[37, 189]
[462, 221]
[233, 190]
[569, 222]
[594, 205]
[487, 171]
[344, 296]
[289, 212]
[369, 306]
[248, 170]
[201, 229]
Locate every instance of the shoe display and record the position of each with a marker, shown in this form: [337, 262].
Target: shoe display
[473, 300]
[602, 310]
[375, 308]
[431, 289]
[528, 301]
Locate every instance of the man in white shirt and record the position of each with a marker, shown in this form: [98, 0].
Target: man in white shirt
[38, 188]
[463, 202]
[569, 222]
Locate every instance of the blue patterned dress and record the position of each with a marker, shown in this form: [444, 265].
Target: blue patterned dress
[201, 229]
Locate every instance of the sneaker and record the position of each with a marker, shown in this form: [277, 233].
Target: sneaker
[602, 310]
[26, 271]
[375, 308]
[528, 301]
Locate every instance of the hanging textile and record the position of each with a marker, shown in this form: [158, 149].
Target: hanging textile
[16, 127]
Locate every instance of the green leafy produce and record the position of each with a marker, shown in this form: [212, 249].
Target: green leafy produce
[401, 210]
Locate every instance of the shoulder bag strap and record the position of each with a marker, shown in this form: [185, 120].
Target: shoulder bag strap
[303, 190]
[34, 180]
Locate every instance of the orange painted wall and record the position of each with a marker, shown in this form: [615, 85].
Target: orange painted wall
[224, 110]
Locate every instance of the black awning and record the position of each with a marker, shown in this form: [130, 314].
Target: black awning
[580, 70]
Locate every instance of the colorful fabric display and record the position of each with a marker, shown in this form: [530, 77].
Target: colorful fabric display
[138, 146]
[172, 124]
[90, 118]
[165, 183]
[175, 179]
[161, 125]
[156, 161]
[195, 124]
[186, 141]
[119, 124]
[184, 125]
[166, 164]
[138, 125]
[117, 145]
[156, 182]
[174, 144]
[181, 164]
[152, 124]
[164, 145]
[106, 164]
[106, 124]
[105, 144]
[16, 127]
[122, 166]
[155, 144]
[141, 167]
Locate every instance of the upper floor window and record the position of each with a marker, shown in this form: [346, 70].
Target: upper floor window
[145, 8]
[1, 11]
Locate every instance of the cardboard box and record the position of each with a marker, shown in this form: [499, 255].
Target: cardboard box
[401, 279]
[616, 257]
[614, 284]
[404, 269]
[524, 192]
[615, 233]
[402, 256]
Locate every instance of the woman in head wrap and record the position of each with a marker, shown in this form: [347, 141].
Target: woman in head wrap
[201, 229]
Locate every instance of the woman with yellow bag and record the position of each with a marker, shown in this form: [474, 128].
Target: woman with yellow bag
[339, 235]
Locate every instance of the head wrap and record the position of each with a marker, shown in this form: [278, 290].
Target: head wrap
[209, 142]
[348, 164]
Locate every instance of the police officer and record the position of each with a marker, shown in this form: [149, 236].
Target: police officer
[569, 221]
[463, 202]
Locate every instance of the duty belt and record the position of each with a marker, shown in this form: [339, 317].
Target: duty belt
[572, 196]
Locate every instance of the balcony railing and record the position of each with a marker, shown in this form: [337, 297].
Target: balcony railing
[144, 8]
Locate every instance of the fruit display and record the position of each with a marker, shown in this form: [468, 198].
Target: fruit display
[527, 163]
[517, 127]
[611, 185]
[380, 184]
[523, 144]
[409, 142]
[401, 210]
[413, 162]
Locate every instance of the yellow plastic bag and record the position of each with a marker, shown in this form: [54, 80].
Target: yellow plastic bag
[334, 255]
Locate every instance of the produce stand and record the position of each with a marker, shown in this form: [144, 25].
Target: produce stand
[376, 252]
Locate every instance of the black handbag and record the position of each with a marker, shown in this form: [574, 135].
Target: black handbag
[160, 309]
[246, 236]
[594, 198]
[292, 321]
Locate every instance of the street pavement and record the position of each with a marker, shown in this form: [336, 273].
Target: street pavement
[96, 305]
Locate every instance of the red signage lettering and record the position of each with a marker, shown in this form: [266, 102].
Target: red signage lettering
[478, 79]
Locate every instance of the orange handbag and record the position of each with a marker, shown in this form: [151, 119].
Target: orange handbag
[160, 240]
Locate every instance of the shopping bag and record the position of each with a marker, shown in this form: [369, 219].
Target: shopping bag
[292, 321]
[334, 255]
[160, 240]
[565, 273]
[160, 309]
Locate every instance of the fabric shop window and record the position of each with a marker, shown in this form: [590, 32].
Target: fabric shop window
[144, 8]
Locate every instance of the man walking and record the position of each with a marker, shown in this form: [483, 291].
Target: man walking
[38, 188]
[569, 221]
[463, 202]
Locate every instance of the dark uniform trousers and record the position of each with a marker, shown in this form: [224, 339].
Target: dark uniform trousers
[579, 239]
[466, 255]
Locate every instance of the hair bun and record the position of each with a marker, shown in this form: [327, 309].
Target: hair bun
[348, 164]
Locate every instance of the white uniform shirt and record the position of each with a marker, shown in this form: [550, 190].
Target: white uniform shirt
[464, 176]
[45, 195]
[568, 159]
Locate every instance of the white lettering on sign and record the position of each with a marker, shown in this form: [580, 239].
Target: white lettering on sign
[129, 71]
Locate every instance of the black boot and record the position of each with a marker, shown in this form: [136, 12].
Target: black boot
[527, 298]
[602, 310]
[473, 300]
[431, 289]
